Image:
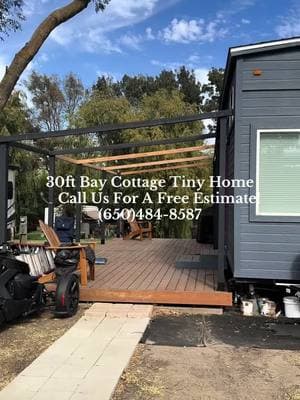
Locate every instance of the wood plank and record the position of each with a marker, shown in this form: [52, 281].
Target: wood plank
[159, 162]
[133, 156]
[157, 297]
[75, 162]
[143, 171]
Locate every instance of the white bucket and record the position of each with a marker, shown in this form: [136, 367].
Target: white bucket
[291, 307]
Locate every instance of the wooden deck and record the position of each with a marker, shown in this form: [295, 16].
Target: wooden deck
[145, 272]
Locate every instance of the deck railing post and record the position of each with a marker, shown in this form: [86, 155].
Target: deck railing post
[51, 192]
[104, 175]
[78, 206]
[221, 207]
[3, 191]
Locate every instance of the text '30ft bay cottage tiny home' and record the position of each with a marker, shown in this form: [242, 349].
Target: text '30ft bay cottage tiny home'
[262, 86]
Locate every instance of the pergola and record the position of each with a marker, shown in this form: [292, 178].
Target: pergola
[132, 168]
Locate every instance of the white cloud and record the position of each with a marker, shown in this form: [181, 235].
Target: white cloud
[289, 25]
[33, 7]
[44, 57]
[63, 35]
[167, 65]
[149, 34]
[235, 7]
[97, 42]
[201, 75]
[186, 31]
[131, 41]
[245, 21]
[92, 31]
[2, 66]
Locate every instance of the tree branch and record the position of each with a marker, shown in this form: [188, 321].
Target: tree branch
[27, 53]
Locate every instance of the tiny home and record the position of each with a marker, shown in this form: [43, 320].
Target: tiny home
[262, 87]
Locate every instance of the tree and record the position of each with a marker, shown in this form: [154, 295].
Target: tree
[134, 88]
[73, 90]
[106, 87]
[16, 117]
[10, 16]
[31, 48]
[166, 80]
[98, 110]
[213, 89]
[55, 101]
[48, 100]
[188, 86]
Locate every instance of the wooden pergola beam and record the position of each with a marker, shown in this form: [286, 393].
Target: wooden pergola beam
[143, 171]
[160, 162]
[91, 166]
[139, 155]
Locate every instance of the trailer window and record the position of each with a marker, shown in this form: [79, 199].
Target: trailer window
[278, 172]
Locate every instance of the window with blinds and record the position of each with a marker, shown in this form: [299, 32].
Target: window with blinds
[278, 172]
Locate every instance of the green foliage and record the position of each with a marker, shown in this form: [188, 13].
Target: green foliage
[163, 103]
[189, 87]
[135, 88]
[11, 16]
[213, 90]
[73, 92]
[100, 4]
[55, 101]
[16, 117]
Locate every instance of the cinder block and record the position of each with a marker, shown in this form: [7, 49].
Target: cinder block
[67, 371]
[16, 392]
[133, 326]
[100, 380]
[39, 370]
[57, 385]
[96, 315]
[30, 383]
[45, 395]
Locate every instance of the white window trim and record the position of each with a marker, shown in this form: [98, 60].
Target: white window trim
[258, 132]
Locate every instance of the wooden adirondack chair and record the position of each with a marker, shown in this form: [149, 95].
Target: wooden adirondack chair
[138, 228]
[55, 245]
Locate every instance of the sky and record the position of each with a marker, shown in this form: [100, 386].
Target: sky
[146, 36]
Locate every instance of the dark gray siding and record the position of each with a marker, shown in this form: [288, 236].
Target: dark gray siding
[266, 250]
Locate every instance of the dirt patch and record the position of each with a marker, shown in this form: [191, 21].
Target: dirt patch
[210, 373]
[219, 369]
[25, 339]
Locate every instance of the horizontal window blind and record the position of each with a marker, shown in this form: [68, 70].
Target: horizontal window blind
[278, 173]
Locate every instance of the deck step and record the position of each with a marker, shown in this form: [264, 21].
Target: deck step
[213, 298]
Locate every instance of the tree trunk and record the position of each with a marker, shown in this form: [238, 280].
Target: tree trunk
[27, 53]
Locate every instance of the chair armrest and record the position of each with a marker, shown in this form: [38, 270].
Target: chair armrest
[85, 243]
[30, 244]
[145, 222]
[65, 247]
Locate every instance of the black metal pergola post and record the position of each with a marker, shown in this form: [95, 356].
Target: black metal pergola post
[51, 200]
[78, 206]
[3, 191]
[222, 139]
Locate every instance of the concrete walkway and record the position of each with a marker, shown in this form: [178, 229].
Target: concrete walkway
[88, 360]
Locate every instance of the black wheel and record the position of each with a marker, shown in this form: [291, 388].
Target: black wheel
[67, 296]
